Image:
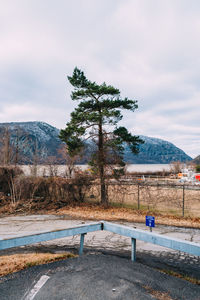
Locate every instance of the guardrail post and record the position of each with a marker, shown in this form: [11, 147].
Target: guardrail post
[81, 243]
[133, 249]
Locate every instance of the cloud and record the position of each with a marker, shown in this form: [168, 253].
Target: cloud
[149, 49]
[28, 112]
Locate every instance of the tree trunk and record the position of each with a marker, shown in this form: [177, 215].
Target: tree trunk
[17, 149]
[7, 147]
[101, 163]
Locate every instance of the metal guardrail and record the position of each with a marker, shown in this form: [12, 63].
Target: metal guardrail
[154, 238]
[134, 234]
[52, 235]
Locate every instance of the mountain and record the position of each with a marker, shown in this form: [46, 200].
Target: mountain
[38, 139]
[196, 160]
[156, 151]
[34, 140]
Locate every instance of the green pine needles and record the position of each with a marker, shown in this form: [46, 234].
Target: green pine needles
[95, 118]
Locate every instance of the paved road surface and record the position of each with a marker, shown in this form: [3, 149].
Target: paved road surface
[98, 274]
[99, 277]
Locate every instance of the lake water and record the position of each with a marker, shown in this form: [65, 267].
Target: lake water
[60, 170]
[148, 167]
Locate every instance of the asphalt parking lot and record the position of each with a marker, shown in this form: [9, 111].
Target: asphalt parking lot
[95, 276]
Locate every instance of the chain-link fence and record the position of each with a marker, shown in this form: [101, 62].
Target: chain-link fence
[173, 199]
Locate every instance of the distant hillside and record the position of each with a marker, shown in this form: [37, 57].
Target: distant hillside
[34, 140]
[196, 160]
[41, 139]
[156, 151]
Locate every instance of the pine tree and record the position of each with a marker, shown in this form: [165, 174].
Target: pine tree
[96, 118]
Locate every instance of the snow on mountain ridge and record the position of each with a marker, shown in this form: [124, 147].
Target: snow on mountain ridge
[153, 140]
[41, 130]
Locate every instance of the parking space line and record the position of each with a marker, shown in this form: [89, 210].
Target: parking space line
[43, 279]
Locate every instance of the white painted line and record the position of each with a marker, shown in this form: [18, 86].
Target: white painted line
[37, 287]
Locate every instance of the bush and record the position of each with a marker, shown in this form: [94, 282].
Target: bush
[7, 176]
[26, 192]
[39, 192]
[198, 168]
[79, 186]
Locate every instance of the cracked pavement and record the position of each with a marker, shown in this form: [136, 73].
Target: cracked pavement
[103, 241]
[104, 253]
[16, 226]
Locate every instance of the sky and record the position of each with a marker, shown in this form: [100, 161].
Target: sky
[149, 49]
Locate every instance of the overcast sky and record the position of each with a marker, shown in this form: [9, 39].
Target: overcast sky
[149, 49]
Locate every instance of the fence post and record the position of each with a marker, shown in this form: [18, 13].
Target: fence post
[183, 205]
[138, 198]
[81, 243]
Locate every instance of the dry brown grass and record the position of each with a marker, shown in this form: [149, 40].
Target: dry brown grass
[157, 294]
[96, 212]
[163, 201]
[167, 199]
[182, 276]
[16, 262]
[39, 193]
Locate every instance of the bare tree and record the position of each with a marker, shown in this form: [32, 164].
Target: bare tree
[70, 161]
[5, 146]
[13, 141]
[176, 167]
[52, 164]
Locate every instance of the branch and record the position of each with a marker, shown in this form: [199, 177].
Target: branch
[92, 135]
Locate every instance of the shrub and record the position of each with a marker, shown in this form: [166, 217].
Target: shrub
[30, 191]
[198, 168]
[79, 186]
[7, 175]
